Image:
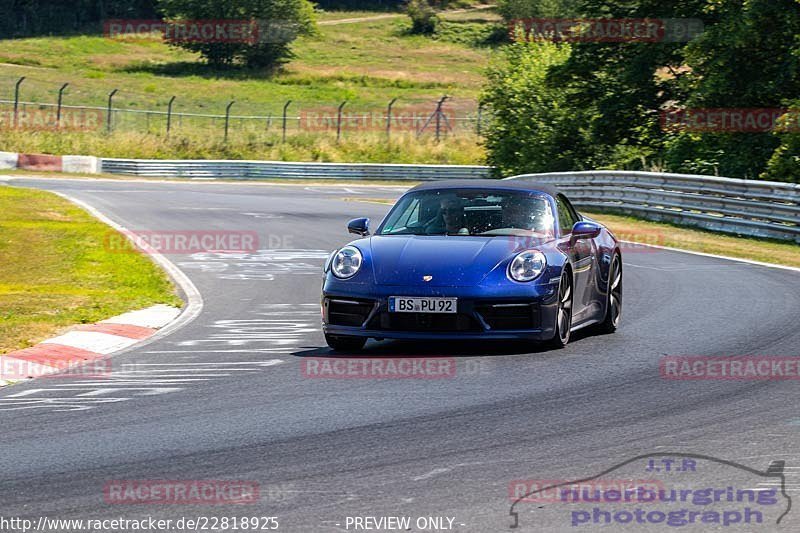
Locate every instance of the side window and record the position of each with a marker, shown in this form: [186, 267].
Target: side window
[413, 216]
[567, 217]
[410, 215]
[573, 212]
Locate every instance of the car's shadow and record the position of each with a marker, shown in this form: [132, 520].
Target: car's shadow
[465, 348]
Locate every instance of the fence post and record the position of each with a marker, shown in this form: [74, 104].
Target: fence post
[285, 107]
[169, 114]
[16, 101]
[60, 100]
[439, 116]
[228, 118]
[480, 115]
[339, 121]
[108, 113]
[389, 117]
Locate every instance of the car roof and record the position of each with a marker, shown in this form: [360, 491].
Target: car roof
[514, 185]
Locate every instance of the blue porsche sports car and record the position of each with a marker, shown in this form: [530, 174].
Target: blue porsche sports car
[477, 259]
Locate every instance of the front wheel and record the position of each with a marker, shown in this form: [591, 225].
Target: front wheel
[564, 312]
[614, 298]
[342, 344]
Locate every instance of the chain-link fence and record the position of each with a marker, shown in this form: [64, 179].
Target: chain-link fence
[435, 119]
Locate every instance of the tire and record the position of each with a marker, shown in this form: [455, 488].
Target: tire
[564, 311]
[344, 344]
[614, 297]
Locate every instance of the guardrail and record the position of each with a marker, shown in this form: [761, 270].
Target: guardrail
[278, 169]
[745, 207]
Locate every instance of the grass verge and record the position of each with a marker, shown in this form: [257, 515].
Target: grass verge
[461, 149]
[698, 240]
[56, 271]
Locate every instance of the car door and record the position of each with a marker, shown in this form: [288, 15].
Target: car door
[582, 256]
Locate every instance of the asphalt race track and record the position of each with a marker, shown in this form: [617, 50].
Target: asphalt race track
[225, 396]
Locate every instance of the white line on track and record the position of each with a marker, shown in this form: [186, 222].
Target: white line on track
[270, 362]
[715, 256]
[194, 299]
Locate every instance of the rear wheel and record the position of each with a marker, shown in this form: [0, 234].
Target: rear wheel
[614, 298]
[564, 311]
[341, 344]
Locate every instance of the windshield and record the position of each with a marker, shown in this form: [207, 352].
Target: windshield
[470, 212]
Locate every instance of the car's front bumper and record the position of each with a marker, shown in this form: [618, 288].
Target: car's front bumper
[516, 312]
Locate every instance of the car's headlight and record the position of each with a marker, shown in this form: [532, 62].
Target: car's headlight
[527, 265]
[346, 262]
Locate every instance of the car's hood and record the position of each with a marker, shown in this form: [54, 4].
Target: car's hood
[449, 260]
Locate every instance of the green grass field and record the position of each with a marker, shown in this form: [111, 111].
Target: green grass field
[367, 63]
[364, 58]
[57, 272]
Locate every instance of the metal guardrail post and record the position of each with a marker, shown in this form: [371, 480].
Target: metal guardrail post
[169, 114]
[283, 123]
[339, 121]
[16, 101]
[439, 116]
[228, 118]
[60, 100]
[109, 110]
[389, 118]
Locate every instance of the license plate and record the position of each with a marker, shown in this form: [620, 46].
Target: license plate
[403, 304]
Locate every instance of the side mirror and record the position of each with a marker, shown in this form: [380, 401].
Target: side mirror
[359, 226]
[586, 230]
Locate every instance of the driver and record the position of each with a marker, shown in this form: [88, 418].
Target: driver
[450, 219]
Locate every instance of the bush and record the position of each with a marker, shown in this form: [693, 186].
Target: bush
[423, 17]
[733, 155]
[784, 165]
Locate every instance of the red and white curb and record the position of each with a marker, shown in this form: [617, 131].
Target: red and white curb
[97, 342]
[51, 163]
[86, 344]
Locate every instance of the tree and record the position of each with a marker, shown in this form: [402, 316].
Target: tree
[23, 18]
[512, 10]
[534, 128]
[748, 57]
[279, 23]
